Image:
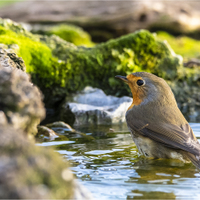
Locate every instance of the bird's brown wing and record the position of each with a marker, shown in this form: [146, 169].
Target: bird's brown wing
[169, 135]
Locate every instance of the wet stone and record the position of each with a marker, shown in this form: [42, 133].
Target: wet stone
[93, 106]
[60, 124]
[42, 130]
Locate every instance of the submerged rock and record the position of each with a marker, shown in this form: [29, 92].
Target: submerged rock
[93, 106]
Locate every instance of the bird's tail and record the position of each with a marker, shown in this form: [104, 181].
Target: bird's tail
[195, 159]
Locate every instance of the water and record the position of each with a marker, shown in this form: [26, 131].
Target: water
[108, 164]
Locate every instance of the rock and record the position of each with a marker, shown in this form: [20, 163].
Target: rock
[42, 130]
[21, 101]
[17, 28]
[93, 106]
[192, 63]
[187, 47]
[94, 66]
[3, 120]
[188, 98]
[9, 59]
[64, 129]
[96, 97]
[105, 20]
[15, 39]
[28, 171]
[60, 124]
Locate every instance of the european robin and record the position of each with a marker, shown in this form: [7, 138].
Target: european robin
[157, 126]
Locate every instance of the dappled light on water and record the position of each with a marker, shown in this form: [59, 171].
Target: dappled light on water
[110, 166]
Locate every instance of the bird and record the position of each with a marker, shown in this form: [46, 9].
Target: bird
[155, 122]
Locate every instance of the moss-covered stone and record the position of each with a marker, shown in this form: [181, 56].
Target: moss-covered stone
[32, 52]
[15, 27]
[97, 66]
[67, 68]
[73, 34]
[182, 45]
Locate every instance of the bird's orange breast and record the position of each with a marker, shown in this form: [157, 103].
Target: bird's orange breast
[135, 90]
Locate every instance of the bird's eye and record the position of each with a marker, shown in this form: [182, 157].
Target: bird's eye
[140, 82]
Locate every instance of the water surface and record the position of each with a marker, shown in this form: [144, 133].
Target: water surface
[107, 162]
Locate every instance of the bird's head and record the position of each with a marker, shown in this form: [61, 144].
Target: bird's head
[147, 87]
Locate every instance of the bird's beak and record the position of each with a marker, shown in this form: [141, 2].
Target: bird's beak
[123, 78]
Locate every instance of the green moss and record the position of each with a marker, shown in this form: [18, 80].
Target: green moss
[55, 63]
[185, 46]
[73, 34]
[97, 66]
[36, 55]
[17, 28]
[31, 51]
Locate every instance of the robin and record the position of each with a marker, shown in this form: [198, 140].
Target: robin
[157, 126]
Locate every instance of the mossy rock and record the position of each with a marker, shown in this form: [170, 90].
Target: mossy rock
[33, 52]
[140, 51]
[73, 34]
[15, 27]
[182, 45]
[55, 63]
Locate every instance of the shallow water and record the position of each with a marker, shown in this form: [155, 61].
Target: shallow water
[106, 161]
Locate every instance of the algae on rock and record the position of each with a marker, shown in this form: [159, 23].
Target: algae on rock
[60, 64]
[97, 66]
[73, 34]
[185, 46]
